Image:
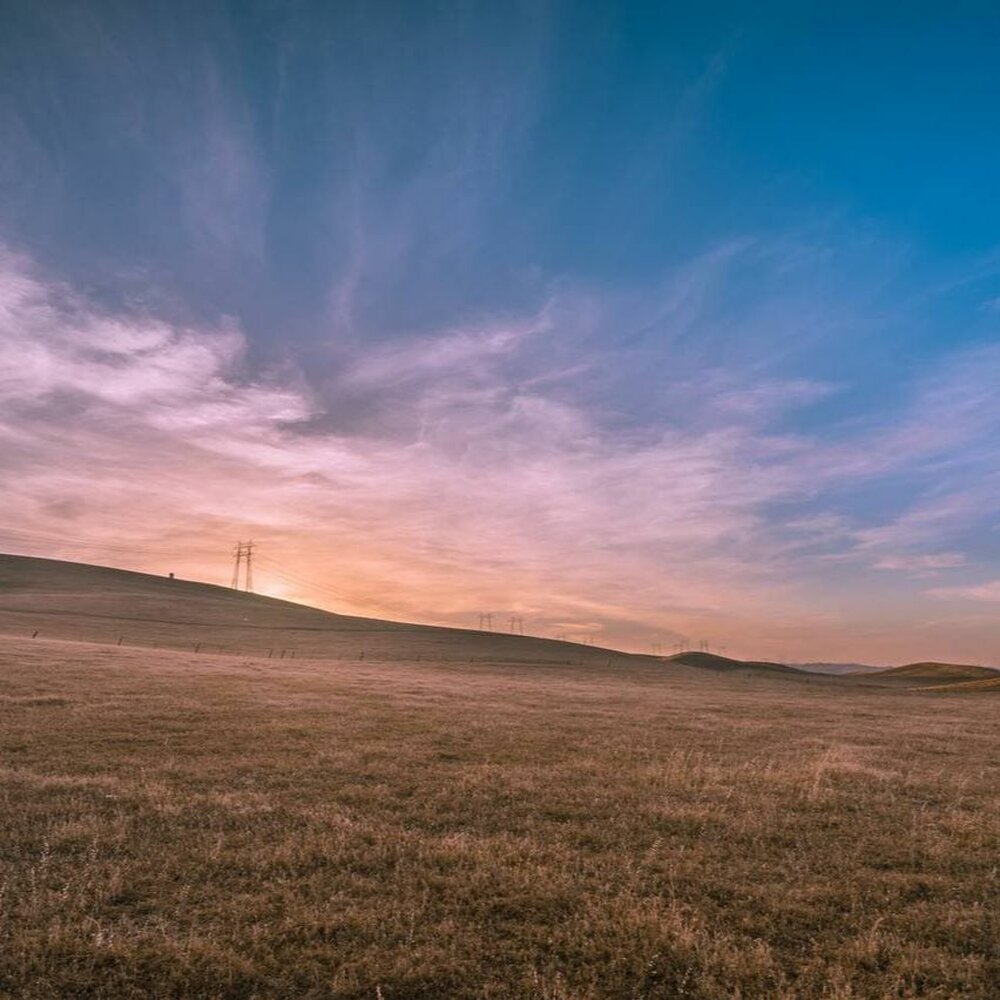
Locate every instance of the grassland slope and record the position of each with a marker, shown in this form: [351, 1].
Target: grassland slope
[724, 664]
[837, 669]
[916, 674]
[76, 601]
[987, 685]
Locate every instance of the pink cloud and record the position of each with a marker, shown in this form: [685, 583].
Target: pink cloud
[988, 592]
[928, 562]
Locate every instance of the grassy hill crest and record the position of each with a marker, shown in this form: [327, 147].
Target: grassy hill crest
[725, 664]
[67, 600]
[931, 673]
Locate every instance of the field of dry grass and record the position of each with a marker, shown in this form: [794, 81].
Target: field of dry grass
[226, 827]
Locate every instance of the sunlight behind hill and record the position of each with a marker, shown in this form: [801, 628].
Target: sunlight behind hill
[64, 600]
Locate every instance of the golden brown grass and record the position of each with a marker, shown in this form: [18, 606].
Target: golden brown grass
[986, 685]
[180, 826]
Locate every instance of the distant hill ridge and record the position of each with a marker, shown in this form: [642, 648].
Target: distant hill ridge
[838, 668]
[78, 601]
[985, 685]
[67, 600]
[57, 599]
[931, 673]
[723, 664]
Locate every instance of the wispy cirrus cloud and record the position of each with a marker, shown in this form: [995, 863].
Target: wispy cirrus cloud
[923, 563]
[426, 358]
[985, 592]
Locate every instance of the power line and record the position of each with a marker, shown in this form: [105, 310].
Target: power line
[22, 535]
[290, 576]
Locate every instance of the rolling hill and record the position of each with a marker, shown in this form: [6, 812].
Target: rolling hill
[987, 685]
[77, 601]
[931, 674]
[836, 669]
[723, 664]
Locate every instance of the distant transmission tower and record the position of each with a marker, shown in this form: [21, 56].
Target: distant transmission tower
[516, 624]
[485, 621]
[244, 554]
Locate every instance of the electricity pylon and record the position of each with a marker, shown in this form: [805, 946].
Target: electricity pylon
[243, 551]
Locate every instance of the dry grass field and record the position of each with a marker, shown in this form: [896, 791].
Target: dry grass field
[181, 825]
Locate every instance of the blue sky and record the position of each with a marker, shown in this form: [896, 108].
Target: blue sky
[642, 322]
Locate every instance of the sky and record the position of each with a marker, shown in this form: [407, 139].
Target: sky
[646, 323]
